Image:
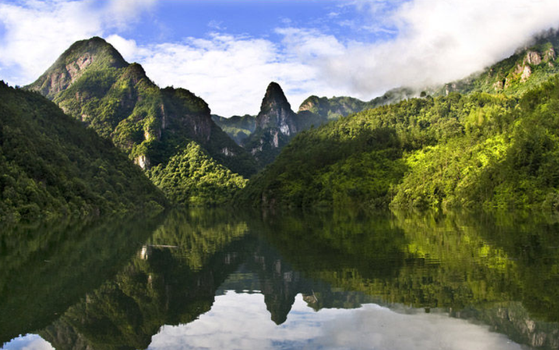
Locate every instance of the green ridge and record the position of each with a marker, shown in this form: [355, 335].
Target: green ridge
[50, 165]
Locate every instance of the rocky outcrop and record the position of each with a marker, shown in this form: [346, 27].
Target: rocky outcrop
[72, 64]
[533, 58]
[549, 55]
[143, 162]
[526, 73]
[275, 112]
[275, 125]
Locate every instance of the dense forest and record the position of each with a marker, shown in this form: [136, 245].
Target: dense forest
[93, 83]
[52, 166]
[452, 151]
[193, 178]
[488, 140]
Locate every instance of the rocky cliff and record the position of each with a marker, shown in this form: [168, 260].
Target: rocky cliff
[275, 125]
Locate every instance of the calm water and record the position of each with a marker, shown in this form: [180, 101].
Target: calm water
[212, 279]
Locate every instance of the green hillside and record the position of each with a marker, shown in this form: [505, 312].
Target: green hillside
[194, 178]
[452, 151]
[50, 165]
[92, 83]
[238, 128]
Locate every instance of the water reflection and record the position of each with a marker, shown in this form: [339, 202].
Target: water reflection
[257, 280]
[238, 321]
[47, 268]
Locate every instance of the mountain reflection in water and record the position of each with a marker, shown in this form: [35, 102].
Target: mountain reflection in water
[213, 279]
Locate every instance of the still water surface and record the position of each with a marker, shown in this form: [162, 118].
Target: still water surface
[212, 279]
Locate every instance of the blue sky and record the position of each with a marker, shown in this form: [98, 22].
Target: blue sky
[228, 51]
[172, 20]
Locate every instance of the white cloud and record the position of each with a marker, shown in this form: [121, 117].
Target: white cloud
[119, 13]
[428, 42]
[28, 342]
[231, 73]
[439, 41]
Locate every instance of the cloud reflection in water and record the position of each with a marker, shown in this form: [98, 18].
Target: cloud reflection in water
[241, 321]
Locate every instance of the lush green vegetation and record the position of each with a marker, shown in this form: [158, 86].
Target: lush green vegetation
[451, 151]
[153, 126]
[50, 165]
[192, 177]
[49, 266]
[238, 128]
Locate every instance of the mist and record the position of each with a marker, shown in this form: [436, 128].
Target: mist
[438, 42]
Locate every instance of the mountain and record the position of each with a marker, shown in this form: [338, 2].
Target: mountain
[91, 82]
[450, 151]
[266, 134]
[326, 109]
[52, 166]
[526, 69]
[320, 110]
[314, 111]
[275, 124]
[493, 145]
[237, 127]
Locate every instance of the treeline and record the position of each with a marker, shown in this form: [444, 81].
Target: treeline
[193, 178]
[51, 165]
[453, 151]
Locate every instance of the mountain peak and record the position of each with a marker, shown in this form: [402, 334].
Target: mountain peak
[94, 46]
[275, 124]
[274, 98]
[72, 64]
[275, 110]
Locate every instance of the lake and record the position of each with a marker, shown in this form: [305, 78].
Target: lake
[233, 279]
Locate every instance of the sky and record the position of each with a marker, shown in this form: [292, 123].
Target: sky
[228, 51]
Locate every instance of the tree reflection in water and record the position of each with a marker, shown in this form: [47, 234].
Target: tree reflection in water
[498, 271]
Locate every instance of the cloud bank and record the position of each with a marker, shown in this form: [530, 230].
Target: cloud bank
[28, 342]
[421, 42]
[439, 41]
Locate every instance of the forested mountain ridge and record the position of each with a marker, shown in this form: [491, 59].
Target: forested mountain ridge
[494, 146]
[51, 166]
[92, 83]
[314, 111]
[451, 151]
[325, 109]
[275, 125]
